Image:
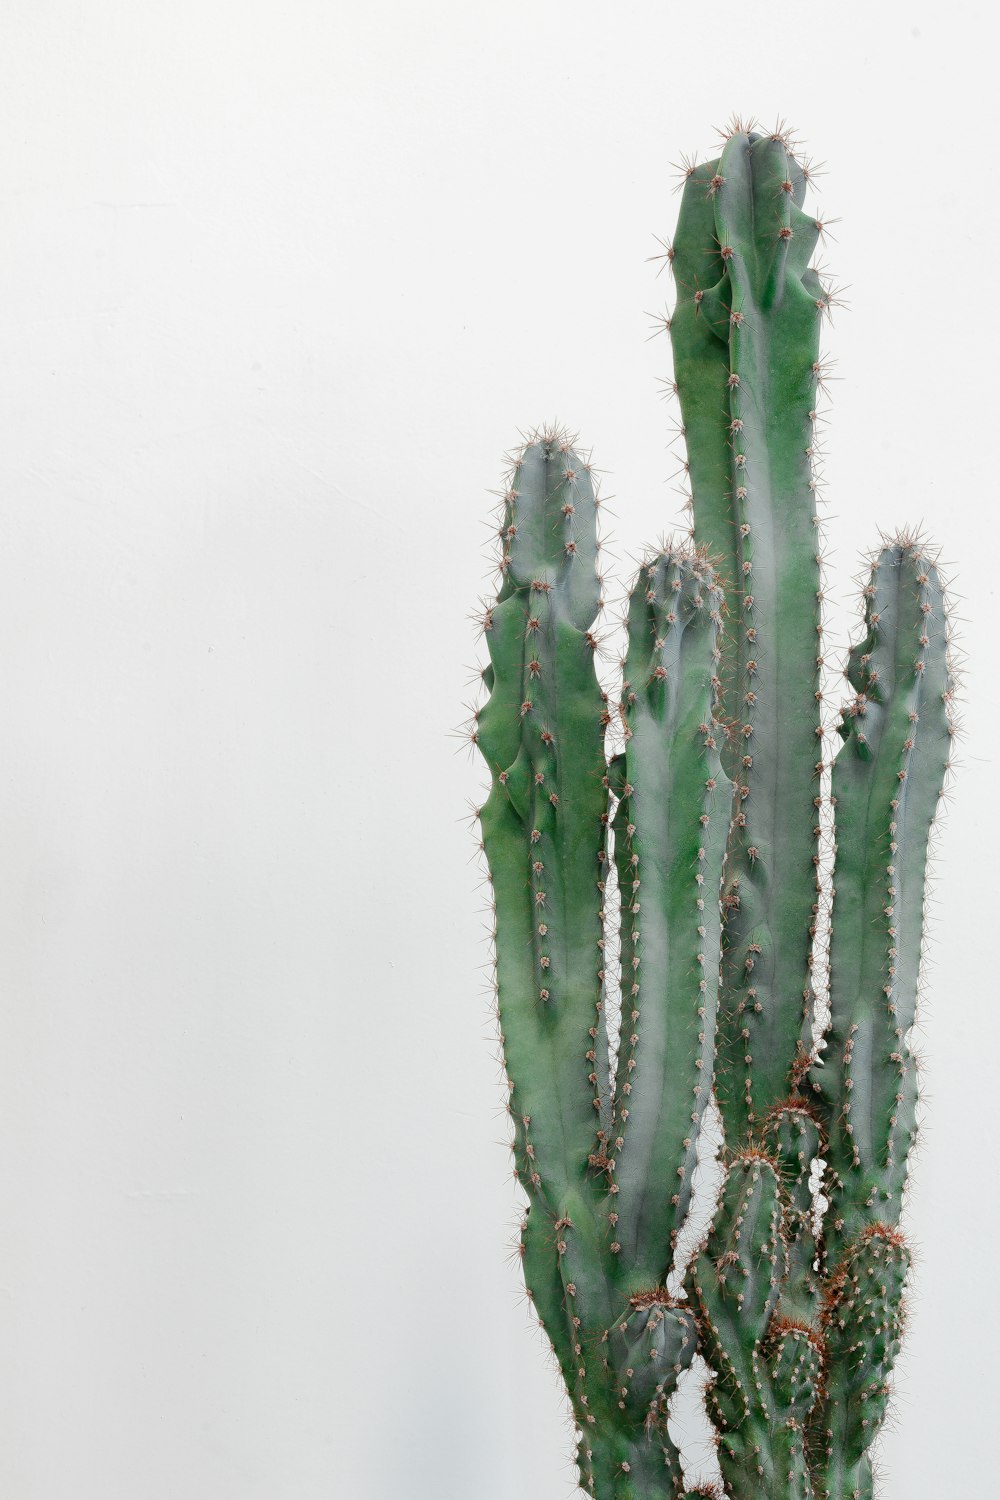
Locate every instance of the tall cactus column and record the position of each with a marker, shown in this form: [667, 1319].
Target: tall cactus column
[740, 260]
[745, 333]
[746, 352]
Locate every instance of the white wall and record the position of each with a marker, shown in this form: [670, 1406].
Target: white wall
[280, 284]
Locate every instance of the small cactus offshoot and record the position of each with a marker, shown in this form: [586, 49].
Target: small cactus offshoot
[696, 897]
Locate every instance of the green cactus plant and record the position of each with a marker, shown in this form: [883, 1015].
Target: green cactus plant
[667, 925]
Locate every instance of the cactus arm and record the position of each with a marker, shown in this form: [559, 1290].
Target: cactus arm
[541, 732]
[670, 837]
[770, 893]
[887, 782]
[656, 1340]
[544, 829]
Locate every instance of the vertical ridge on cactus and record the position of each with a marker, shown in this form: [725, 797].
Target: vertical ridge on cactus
[662, 840]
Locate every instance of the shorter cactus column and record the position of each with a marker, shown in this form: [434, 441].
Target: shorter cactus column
[887, 783]
[543, 829]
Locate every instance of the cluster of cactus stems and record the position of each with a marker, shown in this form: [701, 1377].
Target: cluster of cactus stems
[683, 842]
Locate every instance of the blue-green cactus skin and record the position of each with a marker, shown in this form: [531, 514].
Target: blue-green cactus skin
[886, 784]
[862, 1325]
[670, 831]
[659, 874]
[597, 1241]
[749, 350]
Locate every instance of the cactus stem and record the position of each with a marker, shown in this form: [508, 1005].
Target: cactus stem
[690, 890]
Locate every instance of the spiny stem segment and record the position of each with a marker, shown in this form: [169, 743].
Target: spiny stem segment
[887, 782]
[670, 830]
[542, 734]
[764, 307]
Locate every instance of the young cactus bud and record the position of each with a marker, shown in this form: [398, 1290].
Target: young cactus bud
[649, 1349]
[769, 1367]
[793, 1136]
[736, 1280]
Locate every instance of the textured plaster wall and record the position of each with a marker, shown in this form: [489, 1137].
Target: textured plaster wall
[280, 284]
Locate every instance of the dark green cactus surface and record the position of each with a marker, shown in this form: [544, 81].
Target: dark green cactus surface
[671, 923]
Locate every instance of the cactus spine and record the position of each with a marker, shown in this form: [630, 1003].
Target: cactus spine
[664, 845]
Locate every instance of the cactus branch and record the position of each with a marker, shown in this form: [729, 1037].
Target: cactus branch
[670, 831]
[887, 783]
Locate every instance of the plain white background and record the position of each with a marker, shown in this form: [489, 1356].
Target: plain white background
[281, 282]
